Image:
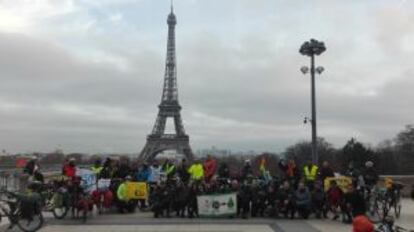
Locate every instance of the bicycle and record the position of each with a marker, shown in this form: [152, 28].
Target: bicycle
[378, 206]
[23, 211]
[81, 201]
[387, 225]
[394, 199]
[55, 198]
[102, 196]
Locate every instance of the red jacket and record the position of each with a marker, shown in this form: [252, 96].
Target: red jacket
[209, 167]
[362, 224]
[69, 171]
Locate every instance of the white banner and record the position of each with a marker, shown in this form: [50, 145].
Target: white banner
[217, 205]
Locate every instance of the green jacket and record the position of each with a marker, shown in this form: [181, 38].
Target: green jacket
[121, 193]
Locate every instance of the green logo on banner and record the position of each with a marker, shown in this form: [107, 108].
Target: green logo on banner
[230, 203]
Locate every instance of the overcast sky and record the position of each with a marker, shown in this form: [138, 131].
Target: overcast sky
[86, 75]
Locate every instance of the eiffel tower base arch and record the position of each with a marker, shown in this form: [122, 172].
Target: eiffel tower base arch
[156, 145]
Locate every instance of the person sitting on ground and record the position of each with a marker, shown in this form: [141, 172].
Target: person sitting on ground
[286, 199]
[303, 200]
[319, 201]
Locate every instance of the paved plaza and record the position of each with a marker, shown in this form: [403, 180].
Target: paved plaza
[143, 222]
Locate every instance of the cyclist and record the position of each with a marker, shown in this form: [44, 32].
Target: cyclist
[69, 168]
[370, 175]
[33, 170]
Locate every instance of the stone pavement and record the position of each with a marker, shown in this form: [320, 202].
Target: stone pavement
[143, 222]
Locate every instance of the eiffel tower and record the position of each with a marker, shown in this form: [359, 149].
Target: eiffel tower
[158, 141]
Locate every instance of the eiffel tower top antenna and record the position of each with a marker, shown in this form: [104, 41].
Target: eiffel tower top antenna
[172, 6]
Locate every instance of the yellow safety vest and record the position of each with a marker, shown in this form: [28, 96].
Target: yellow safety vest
[97, 170]
[196, 171]
[310, 175]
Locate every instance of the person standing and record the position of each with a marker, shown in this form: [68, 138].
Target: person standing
[169, 169]
[142, 175]
[196, 171]
[155, 173]
[246, 170]
[310, 172]
[370, 175]
[97, 168]
[326, 171]
[209, 168]
[223, 171]
[182, 171]
[69, 169]
[32, 169]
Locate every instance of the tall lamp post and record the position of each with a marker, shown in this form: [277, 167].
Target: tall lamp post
[312, 48]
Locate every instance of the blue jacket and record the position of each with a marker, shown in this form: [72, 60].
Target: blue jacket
[143, 174]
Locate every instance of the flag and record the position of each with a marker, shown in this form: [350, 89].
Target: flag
[262, 167]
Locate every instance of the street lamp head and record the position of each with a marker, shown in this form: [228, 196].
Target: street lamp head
[319, 69]
[305, 49]
[304, 69]
[312, 47]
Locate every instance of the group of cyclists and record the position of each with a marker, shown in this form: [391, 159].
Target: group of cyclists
[173, 188]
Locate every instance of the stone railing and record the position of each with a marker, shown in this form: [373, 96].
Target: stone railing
[15, 180]
[406, 180]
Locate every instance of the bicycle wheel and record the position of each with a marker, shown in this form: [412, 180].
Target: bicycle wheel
[31, 224]
[376, 212]
[60, 205]
[60, 212]
[99, 204]
[397, 208]
[84, 208]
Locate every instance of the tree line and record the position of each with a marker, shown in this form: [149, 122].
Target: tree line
[391, 157]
